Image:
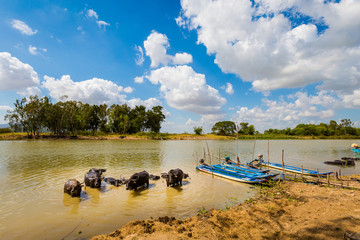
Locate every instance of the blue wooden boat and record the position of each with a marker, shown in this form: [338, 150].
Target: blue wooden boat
[293, 169]
[242, 171]
[232, 175]
[249, 171]
[356, 150]
[244, 168]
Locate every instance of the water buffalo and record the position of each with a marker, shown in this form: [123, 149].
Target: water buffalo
[72, 187]
[93, 177]
[154, 177]
[113, 181]
[173, 177]
[137, 180]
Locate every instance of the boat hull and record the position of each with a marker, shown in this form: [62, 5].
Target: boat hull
[356, 150]
[293, 169]
[229, 175]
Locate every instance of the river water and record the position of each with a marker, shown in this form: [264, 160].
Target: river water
[33, 173]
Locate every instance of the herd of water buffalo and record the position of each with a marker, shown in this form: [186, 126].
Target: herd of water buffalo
[94, 177]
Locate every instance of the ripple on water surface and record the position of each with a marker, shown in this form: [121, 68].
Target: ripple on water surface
[33, 173]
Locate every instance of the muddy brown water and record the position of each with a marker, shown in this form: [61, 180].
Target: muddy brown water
[33, 173]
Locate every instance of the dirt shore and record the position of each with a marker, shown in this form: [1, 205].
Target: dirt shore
[290, 210]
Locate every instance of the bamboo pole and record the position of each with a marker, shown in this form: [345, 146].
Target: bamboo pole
[302, 171]
[253, 150]
[219, 156]
[340, 173]
[328, 179]
[237, 150]
[268, 153]
[317, 172]
[283, 165]
[196, 159]
[207, 145]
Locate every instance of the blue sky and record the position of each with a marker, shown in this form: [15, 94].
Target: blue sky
[271, 63]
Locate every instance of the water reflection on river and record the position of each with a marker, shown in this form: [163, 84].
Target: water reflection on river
[32, 175]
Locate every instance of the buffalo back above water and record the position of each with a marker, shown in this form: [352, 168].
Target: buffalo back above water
[93, 177]
[72, 187]
[174, 177]
[137, 180]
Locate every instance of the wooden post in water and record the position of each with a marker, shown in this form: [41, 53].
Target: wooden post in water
[283, 165]
[237, 144]
[253, 150]
[302, 171]
[328, 179]
[340, 173]
[212, 173]
[268, 153]
[317, 172]
[219, 157]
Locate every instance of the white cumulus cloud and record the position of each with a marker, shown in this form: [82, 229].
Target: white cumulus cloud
[182, 58]
[6, 108]
[156, 46]
[91, 13]
[36, 51]
[139, 55]
[187, 90]
[22, 27]
[3, 111]
[92, 91]
[102, 24]
[139, 79]
[30, 91]
[16, 75]
[148, 103]
[229, 89]
[281, 44]
[299, 108]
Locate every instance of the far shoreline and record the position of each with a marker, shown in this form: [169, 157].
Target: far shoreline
[167, 136]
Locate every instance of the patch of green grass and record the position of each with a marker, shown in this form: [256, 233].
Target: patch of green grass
[250, 200]
[202, 211]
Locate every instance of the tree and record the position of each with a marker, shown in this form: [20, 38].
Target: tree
[116, 117]
[198, 130]
[103, 117]
[224, 128]
[346, 123]
[333, 125]
[154, 118]
[251, 130]
[243, 128]
[29, 113]
[138, 116]
[72, 117]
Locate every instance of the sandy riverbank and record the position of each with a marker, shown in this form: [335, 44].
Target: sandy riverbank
[290, 210]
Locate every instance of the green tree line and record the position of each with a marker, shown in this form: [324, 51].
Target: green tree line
[344, 127]
[35, 115]
[230, 128]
